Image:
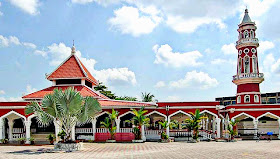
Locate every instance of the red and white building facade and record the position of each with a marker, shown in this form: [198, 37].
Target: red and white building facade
[254, 117]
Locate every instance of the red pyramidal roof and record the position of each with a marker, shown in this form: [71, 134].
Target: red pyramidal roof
[72, 68]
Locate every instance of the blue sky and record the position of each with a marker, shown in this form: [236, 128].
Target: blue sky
[179, 50]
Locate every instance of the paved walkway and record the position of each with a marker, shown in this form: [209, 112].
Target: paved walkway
[240, 149]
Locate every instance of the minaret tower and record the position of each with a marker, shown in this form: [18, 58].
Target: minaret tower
[248, 77]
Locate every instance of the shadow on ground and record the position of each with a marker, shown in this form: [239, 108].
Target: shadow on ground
[34, 152]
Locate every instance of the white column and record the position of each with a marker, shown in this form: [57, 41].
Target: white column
[207, 123]
[118, 121]
[27, 131]
[57, 129]
[93, 128]
[2, 135]
[11, 124]
[73, 133]
[218, 123]
[167, 129]
[279, 129]
[143, 133]
[255, 122]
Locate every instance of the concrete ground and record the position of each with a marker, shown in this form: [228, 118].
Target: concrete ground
[153, 150]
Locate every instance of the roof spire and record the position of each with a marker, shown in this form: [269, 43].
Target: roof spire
[73, 51]
[246, 18]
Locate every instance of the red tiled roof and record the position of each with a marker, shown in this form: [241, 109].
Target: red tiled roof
[123, 103]
[72, 68]
[85, 91]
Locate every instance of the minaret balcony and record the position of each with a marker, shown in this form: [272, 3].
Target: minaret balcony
[247, 41]
[248, 78]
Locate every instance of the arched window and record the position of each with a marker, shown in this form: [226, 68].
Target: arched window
[239, 99]
[252, 34]
[240, 65]
[254, 64]
[246, 64]
[256, 99]
[247, 99]
[246, 34]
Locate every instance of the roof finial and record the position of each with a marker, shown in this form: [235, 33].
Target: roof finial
[73, 48]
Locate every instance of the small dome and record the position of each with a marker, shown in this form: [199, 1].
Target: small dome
[73, 49]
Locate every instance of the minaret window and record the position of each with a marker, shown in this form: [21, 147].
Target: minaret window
[252, 34]
[256, 99]
[254, 64]
[246, 34]
[247, 99]
[246, 64]
[253, 50]
[240, 52]
[239, 99]
[246, 51]
[240, 65]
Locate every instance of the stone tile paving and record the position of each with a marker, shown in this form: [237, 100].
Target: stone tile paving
[151, 150]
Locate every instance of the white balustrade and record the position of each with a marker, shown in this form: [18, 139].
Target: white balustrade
[248, 75]
[152, 132]
[17, 136]
[83, 131]
[101, 130]
[125, 130]
[18, 130]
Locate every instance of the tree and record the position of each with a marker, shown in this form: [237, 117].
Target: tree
[174, 124]
[193, 123]
[66, 108]
[138, 120]
[147, 97]
[231, 130]
[127, 98]
[109, 123]
[104, 90]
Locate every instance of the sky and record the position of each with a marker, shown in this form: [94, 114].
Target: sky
[178, 50]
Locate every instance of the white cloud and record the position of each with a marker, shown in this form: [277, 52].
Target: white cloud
[160, 84]
[82, 1]
[258, 7]
[28, 6]
[30, 45]
[7, 41]
[173, 99]
[164, 55]
[0, 11]
[130, 20]
[228, 49]
[2, 92]
[112, 76]
[29, 89]
[195, 79]
[218, 61]
[264, 46]
[102, 2]
[3, 99]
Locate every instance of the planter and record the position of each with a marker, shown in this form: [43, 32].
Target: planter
[32, 142]
[51, 142]
[165, 140]
[22, 142]
[68, 147]
[110, 141]
[137, 141]
[194, 141]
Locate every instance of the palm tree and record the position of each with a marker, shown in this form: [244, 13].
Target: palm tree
[194, 122]
[138, 120]
[232, 132]
[109, 123]
[174, 124]
[104, 90]
[67, 107]
[147, 97]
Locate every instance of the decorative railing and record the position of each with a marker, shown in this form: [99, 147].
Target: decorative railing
[17, 136]
[125, 130]
[18, 130]
[179, 133]
[247, 40]
[83, 131]
[101, 130]
[248, 75]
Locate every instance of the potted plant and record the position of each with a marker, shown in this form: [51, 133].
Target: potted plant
[32, 142]
[109, 123]
[4, 141]
[61, 135]
[231, 131]
[51, 138]
[22, 140]
[163, 135]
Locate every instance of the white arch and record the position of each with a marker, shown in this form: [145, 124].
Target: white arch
[156, 112]
[207, 111]
[101, 114]
[129, 112]
[250, 116]
[12, 112]
[179, 111]
[30, 117]
[268, 113]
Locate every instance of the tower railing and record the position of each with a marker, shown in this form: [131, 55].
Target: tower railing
[247, 40]
[248, 75]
